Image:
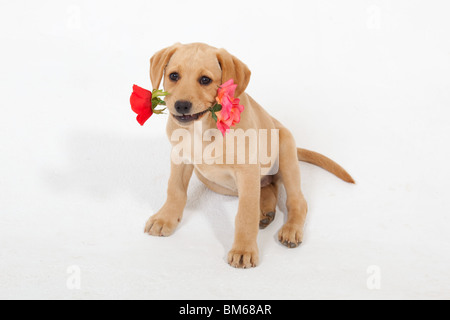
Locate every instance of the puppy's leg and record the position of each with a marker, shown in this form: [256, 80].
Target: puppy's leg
[244, 253]
[291, 235]
[164, 222]
[269, 200]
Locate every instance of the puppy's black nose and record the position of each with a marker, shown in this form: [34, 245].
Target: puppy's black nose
[183, 107]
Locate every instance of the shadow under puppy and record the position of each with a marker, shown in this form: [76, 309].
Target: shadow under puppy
[192, 75]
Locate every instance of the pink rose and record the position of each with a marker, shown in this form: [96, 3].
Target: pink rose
[230, 115]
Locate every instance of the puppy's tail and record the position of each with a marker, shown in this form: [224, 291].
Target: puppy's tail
[325, 163]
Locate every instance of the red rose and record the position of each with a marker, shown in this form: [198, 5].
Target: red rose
[141, 103]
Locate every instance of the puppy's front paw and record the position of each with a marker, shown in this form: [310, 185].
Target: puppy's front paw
[161, 225]
[244, 258]
[291, 235]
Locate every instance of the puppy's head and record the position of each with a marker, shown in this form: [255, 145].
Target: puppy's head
[192, 75]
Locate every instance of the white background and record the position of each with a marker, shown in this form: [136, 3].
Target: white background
[365, 82]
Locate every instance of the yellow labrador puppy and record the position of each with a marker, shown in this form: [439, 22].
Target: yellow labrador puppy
[192, 75]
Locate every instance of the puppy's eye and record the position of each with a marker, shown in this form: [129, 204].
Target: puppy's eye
[174, 76]
[205, 81]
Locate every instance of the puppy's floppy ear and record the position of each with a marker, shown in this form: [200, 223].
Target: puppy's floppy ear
[159, 62]
[233, 68]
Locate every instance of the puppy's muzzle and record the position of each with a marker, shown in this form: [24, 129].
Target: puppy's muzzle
[183, 107]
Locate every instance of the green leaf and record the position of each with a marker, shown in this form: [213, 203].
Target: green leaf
[156, 102]
[159, 111]
[159, 93]
[216, 108]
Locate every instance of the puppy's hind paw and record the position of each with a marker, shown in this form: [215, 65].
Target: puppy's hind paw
[266, 219]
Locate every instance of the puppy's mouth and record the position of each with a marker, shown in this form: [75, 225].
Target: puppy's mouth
[189, 118]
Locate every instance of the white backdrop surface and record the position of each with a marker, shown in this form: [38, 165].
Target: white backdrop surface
[365, 82]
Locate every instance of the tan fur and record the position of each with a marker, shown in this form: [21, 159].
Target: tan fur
[325, 163]
[257, 195]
